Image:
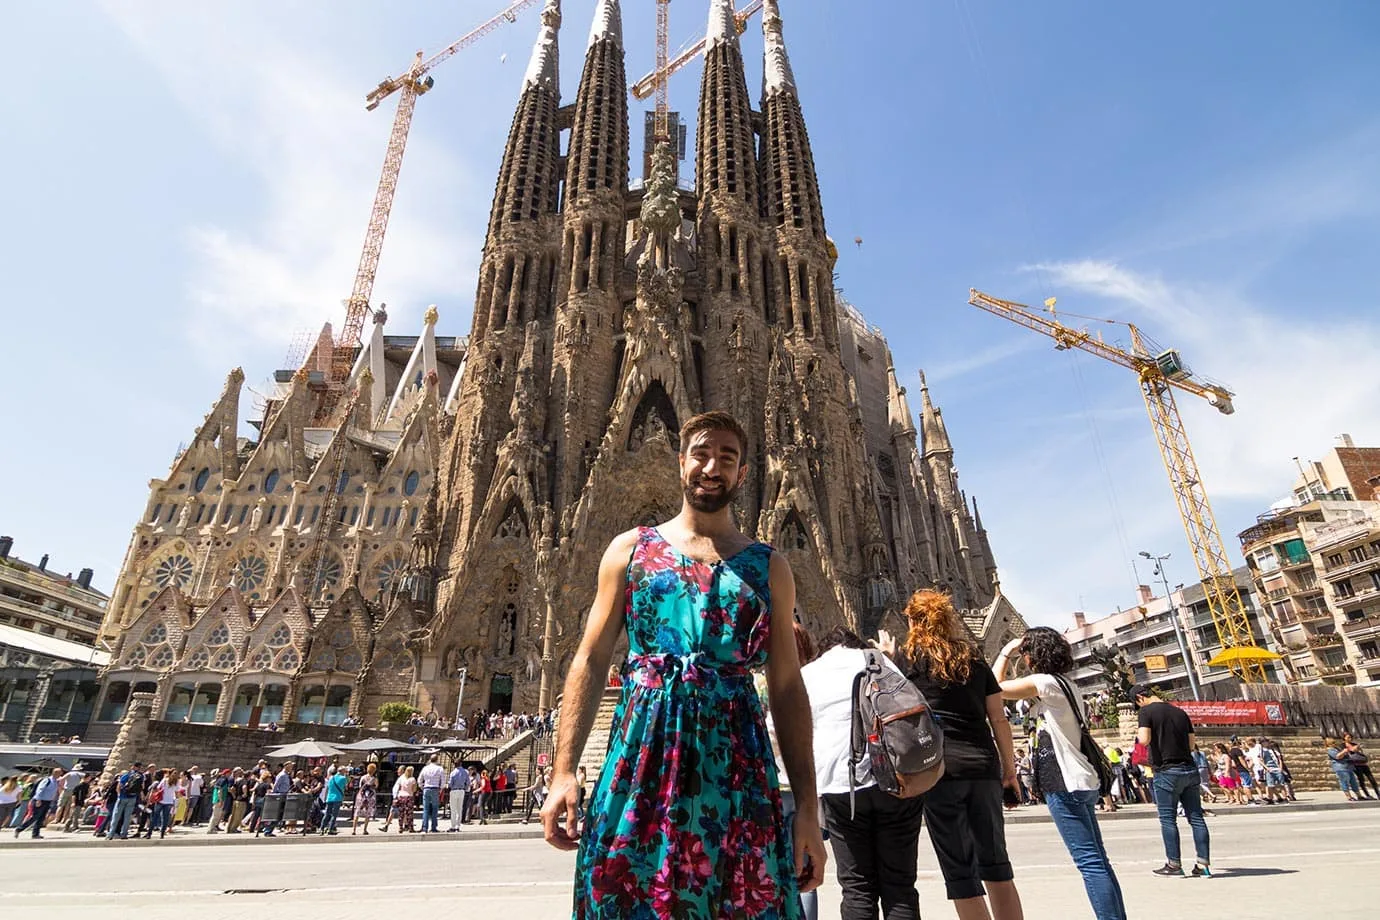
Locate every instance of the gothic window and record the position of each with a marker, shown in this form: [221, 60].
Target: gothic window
[343, 637]
[199, 660]
[225, 661]
[281, 636]
[202, 477]
[271, 481]
[175, 571]
[135, 659]
[350, 661]
[394, 658]
[288, 660]
[326, 577]
[389, 575]
[218, 636]
[155, 634]
[248, 574]
[262, 661]
[324, 660]
[161, 658]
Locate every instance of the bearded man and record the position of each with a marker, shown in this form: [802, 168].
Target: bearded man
[686, 818]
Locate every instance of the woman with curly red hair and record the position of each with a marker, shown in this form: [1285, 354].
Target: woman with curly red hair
[964, 809]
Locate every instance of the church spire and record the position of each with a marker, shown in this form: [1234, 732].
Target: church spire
[598, 156]
[897, 405]
[607, 25]
[932, 423]
[777, 76]
[544, 68]
[725, 162]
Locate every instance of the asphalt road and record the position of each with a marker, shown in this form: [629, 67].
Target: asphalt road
[1300, 864]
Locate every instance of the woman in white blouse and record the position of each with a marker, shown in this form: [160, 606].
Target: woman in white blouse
[1065, 777]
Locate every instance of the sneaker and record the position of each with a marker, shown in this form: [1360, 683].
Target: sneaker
[1168, 871]
[1201, 871]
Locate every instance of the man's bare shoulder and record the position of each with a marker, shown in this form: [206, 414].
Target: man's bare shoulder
[621, 546]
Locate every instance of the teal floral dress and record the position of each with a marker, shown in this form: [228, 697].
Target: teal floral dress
[685, 821]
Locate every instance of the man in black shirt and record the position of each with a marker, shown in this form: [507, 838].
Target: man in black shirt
[1168, 732]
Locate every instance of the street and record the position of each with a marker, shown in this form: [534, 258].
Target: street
[1286, 861]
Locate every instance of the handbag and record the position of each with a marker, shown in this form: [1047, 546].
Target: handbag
[1087, 745]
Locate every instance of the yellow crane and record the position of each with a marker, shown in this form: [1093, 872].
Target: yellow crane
[1161, 372]
[414, 82]
[655, 82]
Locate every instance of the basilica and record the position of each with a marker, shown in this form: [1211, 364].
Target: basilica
[437, 528]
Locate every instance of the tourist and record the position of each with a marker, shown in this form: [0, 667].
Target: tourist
[257, 790]
[1360, 764]
[405, 799]
[1200, 760]
[1167, 732]
[336, 783]
[69, 809]
[1342, 769]
[1225, 772]
[195, 783]
[703, 604]
[536, 794]
[1244, 773]
[511, 784]
[130, 789]
[241, 790]
[500, 791]
[1024, 776]
[1066, 779]
[431, 779]
[282, 785]
[964, 809]
[9, 799]
[366, 799]
[481, 787]
[1272, 767]
[1284, 771]
[44, 798]
[458, 785]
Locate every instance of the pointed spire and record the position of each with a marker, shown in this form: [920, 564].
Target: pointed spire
[932, 422]
[897, 405]
[722, 28]
[776, 70]
[608, 24]
[544, 69]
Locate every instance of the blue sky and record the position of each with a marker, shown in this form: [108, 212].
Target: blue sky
[188, 186]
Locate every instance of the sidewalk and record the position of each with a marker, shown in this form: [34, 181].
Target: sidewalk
[515, 830]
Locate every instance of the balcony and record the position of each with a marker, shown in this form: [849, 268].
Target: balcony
[1351, 567]
[1354, 600]
[1361, 626]
[1335, 671]
[1324, 640]
[1288, 564]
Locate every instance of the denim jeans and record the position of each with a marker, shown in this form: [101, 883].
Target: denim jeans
[125, 806]
[161, 820]
[431, 809]
[1346, 778]
[1075, 817]
[1175, 785]
[332, 815]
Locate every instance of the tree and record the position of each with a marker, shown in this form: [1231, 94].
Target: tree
[396, 711]
[1116, 672]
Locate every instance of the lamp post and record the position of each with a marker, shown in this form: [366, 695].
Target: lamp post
[1178, 627]
[460, 697]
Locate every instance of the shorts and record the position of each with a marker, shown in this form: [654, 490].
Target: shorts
[1274, 778]
[969, 835]
[1246, 781]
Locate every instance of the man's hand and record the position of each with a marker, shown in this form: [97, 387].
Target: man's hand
[810, 857]
[1008, 780]
[562, 802]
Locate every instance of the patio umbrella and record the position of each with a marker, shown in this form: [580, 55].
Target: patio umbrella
[308, 748]
[367, 745]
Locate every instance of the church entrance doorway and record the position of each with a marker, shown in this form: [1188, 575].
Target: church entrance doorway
[501, 693]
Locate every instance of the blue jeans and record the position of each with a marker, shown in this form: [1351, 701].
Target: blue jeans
[162, 819]
[332, 815]
[1175, 785]
[1346, 778]
[1075, 816]
[119, 820]
[431, 809]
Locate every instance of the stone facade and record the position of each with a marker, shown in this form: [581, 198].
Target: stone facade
[458, 523]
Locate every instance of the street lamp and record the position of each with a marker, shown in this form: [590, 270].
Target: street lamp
[460, 697]
[1178, 627]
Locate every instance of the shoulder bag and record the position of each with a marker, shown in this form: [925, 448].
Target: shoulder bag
[1087, 746]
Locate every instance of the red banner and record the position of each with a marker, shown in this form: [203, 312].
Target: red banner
[1233, 712]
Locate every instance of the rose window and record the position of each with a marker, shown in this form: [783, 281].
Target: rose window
[175, 571]
[248, 574]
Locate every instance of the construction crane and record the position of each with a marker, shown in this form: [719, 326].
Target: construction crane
[655, 82]
[415, 82]
[1161, 372]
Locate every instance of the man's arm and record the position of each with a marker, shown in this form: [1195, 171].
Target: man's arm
[583, 686]
[790, 709]
[1143, 735]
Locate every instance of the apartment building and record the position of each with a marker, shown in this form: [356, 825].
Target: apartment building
[1144, 634]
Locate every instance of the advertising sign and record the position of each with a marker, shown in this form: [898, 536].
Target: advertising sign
[1233, 712]
[1156, 663]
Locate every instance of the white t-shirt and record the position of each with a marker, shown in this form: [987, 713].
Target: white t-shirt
[1053, 714]
[195, 785]
[829, 682]
[72, 780]
[167, 793]
[9, 798]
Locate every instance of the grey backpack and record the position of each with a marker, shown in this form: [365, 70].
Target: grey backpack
[894, 728]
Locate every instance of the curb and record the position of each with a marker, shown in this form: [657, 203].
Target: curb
[199, 838]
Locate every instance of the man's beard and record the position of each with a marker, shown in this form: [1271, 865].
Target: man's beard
[709, 503]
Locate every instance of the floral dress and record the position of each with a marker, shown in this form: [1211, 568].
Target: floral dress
[366, 797]
[685, 821]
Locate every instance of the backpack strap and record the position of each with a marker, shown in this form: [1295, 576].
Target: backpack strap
[1073, 703]
[855, 741]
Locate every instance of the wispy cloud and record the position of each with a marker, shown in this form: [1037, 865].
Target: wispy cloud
[979, 360]
[297, 127]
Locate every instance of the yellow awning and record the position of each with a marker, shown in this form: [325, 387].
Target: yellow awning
[1240, 653]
